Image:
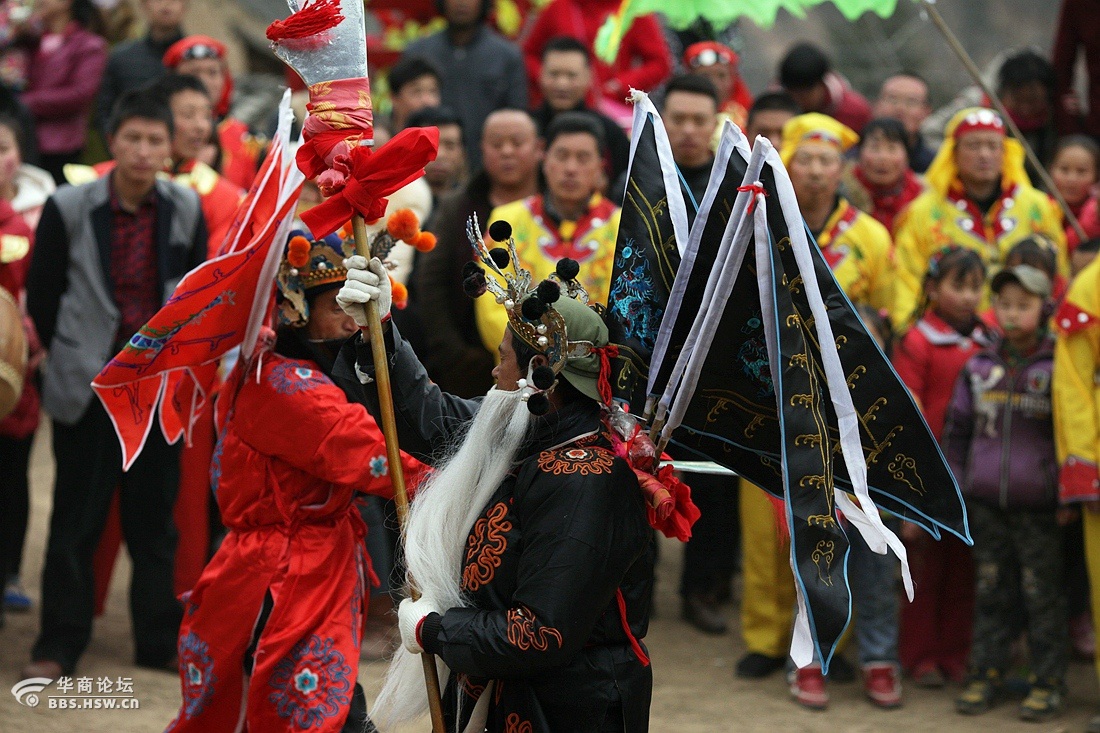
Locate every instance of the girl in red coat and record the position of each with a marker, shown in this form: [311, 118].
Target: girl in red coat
[934, 639]
[17, 429]
[271, 632]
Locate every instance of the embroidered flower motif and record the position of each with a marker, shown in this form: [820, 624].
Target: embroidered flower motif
[379, 467]
[292, 377]
[577, 460]
[312, 684]
[484, 547]
[522, 632]
[195, 661]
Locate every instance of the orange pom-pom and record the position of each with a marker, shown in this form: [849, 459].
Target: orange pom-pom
[298, 252]
[403, 224]
[347, 231]
[424, 242]
[400, 294]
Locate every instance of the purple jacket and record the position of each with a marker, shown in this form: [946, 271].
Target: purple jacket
[61, 87]
[999, 436]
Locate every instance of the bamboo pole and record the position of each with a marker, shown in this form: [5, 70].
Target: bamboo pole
[953, 41]
[393, 456]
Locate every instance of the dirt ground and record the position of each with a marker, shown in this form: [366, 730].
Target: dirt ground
[695, 690]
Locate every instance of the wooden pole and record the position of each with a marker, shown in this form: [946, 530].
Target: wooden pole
[952, 41]
[393, 456]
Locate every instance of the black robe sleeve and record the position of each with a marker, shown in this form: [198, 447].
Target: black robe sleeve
[582, 530]
[428, 419]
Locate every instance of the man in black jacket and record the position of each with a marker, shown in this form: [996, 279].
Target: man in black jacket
[108, 254]
[136, 63]
[565, 79]
[530, 544]
[454, 356]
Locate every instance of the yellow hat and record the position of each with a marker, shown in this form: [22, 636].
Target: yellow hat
[943, 171]
[814, 127]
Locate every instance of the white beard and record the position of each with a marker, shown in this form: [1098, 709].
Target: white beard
[440, 518]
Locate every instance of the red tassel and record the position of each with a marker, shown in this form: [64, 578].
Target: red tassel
[603, 384]
[312, 20]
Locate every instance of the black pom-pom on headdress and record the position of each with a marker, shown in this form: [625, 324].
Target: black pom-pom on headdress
[470, 268]
[475, 285]
[548, 291]
[568, 269]
[542, 377]
[533, 308]
[500, 256]
[538, 404]
[500, 231]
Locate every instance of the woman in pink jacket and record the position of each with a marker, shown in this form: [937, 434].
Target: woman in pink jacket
[63, 79]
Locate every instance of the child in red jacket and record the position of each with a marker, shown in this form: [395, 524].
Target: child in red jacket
[935, 628]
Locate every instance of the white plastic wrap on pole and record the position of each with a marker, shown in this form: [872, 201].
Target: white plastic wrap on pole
[731, 253]
[732, 139]
[868, 521]
[345, 56]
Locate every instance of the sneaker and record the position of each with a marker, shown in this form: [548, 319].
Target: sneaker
[15, 598]
[882, 684]
[1041, 704]
[756, 666]
[808, 687]
[928, 676]
[980, 694]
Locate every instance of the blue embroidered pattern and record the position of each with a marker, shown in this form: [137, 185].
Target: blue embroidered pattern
[753, 357]
[198, 669]
[292, 377]
[313, 683]
[379, 467]
[632, 301]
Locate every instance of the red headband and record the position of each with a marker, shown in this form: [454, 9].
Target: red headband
[980, 120]
[709, 53]
[200, 47]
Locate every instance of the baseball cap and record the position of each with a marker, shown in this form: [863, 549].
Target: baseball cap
[1031, 279]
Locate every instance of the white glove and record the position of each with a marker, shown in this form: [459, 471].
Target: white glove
[409, 615]
[366, 281]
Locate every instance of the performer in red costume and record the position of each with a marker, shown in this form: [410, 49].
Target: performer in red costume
[274, 624]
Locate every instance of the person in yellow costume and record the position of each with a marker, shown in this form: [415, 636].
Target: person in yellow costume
[572, 219]
[856, 246]
[1076, 395]
[979, 196]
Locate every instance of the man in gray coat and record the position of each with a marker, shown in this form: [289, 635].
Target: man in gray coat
[482, 72]
[108, 254]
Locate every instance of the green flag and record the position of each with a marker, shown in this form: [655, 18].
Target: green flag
[720, 13]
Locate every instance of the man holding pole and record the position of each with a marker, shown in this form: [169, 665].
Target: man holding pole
[529, 544]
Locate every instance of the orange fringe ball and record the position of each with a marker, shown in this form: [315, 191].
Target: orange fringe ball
[424, 242]
[298, 252]
[400, 294]
[403, 224]
[347, 231]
